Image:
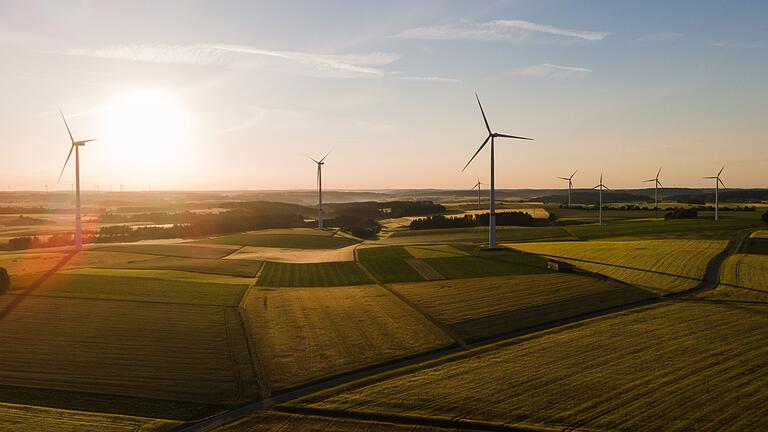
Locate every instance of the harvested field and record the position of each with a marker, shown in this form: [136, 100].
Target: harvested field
[322, 274]
[485, 307]
[181, 250]
[664, 266]
[382, 252]
[324, 240]
[388, 270]
[303, 334]
[425, 270]
[502, 264]
[287, 255]
[232, 267]
[680, 367]
[23, 418]
[151, 350]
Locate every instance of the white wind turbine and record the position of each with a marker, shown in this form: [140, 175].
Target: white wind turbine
[570, 185]
[491, 137]
[601, 186]
[78, 216]
[656, 185]
[320, 164]
[478, 185]
[718, 182]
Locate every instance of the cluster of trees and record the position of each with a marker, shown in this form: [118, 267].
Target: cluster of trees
[471, 220]
[682, 213]
[765, 217]
[361, 218]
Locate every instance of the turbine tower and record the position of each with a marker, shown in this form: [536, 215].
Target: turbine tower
[491, 137]
[78, 216]
[601, 186]
[570, 185]
[656, 185]
[477, 185]
[718, 182]
[320, 164]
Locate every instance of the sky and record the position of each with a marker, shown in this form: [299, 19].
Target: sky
[202, 95]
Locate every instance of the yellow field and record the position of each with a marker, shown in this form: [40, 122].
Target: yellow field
[20, 264]
[303, 334]
[743, 277]
[269, 421]
[663, 266]
[483, 307]
[760, 234]
[23, 418]
[166, 351]
[678, 367]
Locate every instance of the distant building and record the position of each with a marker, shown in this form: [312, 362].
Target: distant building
[559, 266]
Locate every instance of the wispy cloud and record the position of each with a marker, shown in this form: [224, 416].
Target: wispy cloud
[212, 54]
[548, 70]
[659, 37]
[434, 79]
[497, 30]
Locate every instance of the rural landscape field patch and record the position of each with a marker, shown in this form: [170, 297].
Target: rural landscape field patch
[674, 367]
[308, 275]
[743, 277]
[324, 240]
[23, 418]
[663, 266]
[303, 334]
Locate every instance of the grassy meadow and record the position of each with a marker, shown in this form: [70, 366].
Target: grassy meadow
[664, 266]
[179, 250]
[743, 277]
[680, 366]
[304, 334]
[309, 275]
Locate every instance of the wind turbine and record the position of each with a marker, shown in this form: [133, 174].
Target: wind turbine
[78, 216]
[491, 137]
[656, 185]
[320, 164]
[477, 185]
[718, 182]
[570, 186]
[601, 186]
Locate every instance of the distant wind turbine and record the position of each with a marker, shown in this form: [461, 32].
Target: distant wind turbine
[78, 215]
[570, 185]
[491, 137]
[478, 186]
[656, 185]
[601, 186]
[320, 164]
[718, 182]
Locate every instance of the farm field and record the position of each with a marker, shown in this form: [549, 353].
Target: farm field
[303, 334]
[292, 255]
[664, 266]
[309, 275]
[187, 353]
[742, 277]
[475, 235]
[231, 267]
[665, 229]
[389, 270]
[23, 418]
[485, 307]
[39, 263]
[180, 250]
[491, 264]
[678, 366]
[324, 239]
[168, 286]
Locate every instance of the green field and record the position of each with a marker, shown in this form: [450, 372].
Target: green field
[681, 366]
[168, 286]
[663, 266]
[743, 277]
[172, 250]
[434, 251]
[664, 229]
[372, 253]
[484, 307]
[23, 418]
[389, 270]
[485, 264]
[476, 235]
[297, 241]
[232, 267]
[308, 275]
[303, 334]
[139, 350]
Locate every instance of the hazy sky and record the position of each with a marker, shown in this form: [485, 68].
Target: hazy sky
[235, 95]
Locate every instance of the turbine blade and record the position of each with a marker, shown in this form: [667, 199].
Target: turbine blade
[646, 181]
[574, 173]
[660, 185]
[87, 141]
[657, 174]
[512, 136]
[721, 171]
[721, 182]
[72, 147]
[326, 155]
[478, 151]
[564, 178]
[65, 124]
[483, 113]
[596, 187]
[313, 159]
[710, 177]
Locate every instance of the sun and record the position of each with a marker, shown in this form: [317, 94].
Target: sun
[147, 128]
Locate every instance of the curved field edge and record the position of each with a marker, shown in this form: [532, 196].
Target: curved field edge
[675, 366]
[663, 266]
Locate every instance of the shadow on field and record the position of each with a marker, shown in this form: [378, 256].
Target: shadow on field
[21, 295]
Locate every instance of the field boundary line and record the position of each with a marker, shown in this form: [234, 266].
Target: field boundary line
[434, 321]
[233, 252]
[256, 365]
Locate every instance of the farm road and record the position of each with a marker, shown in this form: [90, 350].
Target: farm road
[710, 281]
